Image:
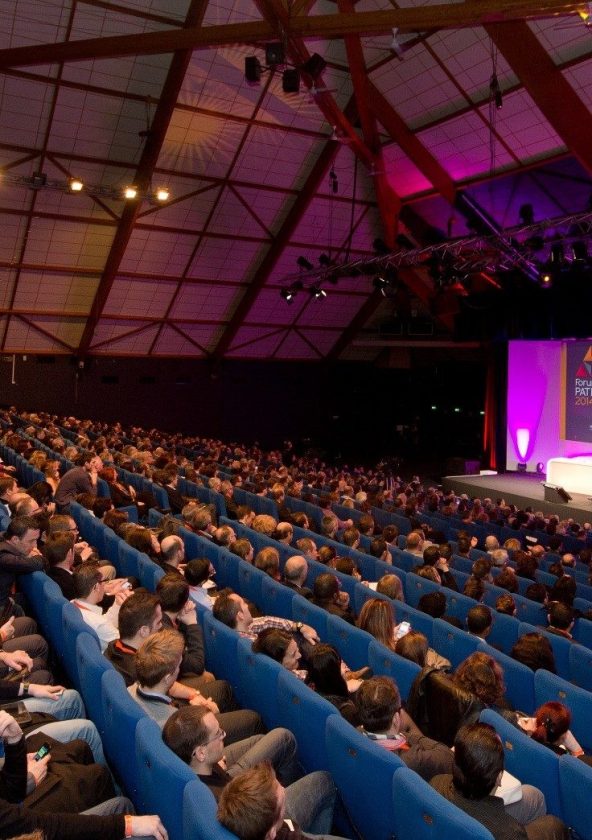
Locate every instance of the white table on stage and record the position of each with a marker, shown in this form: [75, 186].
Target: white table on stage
[573, 474]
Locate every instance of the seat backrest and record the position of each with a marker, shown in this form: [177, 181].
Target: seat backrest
[444, 707]
[351, 642]
[561, 647]
[453, 643]
[258, 682]
[580, 665]
[221, 650]
[304, 713]
[386, 663]
[519, 681]
[363, 771]
[309, 613]
[121, 714]
[73, 624]
[575, 777]
[421, 813]
[150, 573]
[276, 599]
[528, 760]
[549, 686]
[199, 814]
[162, 777]
[417, 586]
[91, 667]
[504, 631]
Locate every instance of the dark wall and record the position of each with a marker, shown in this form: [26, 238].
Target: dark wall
[344, 408]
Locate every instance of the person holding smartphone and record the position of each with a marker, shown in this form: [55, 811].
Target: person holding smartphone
[112, 820]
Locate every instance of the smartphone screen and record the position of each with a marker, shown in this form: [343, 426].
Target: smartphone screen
[42, 752]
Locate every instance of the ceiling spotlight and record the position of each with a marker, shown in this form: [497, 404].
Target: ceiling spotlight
[287, 294]
[526, 214]
[305, 264]
[380, 284]
[37, 180]
[395, 44]
[162, 194]
[130, 192]
[579, 251]
[546, 279]
[326, 261]
[317, 292]
[75, 185]
[557, 257]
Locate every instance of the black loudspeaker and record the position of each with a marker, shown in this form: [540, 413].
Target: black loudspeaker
[554, 493]
[252, 69]
[274, 54]
[291, 80]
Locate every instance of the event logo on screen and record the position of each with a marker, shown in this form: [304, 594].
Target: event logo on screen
[578, 396]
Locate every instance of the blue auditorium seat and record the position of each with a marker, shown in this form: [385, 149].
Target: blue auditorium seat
[199, 814]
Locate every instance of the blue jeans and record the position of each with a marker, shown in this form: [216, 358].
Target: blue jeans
[66, 707]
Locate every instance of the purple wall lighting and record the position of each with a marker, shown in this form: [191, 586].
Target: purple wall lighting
[527, 389]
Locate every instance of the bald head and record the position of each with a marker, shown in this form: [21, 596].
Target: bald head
[296, 570]
[173, 550]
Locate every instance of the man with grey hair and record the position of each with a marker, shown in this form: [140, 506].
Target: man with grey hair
[295, 574]
[499, 557]
[491, 543]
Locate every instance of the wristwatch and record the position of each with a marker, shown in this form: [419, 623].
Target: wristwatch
[25, 686]
[298, 625]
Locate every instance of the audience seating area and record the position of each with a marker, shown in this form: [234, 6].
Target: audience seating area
[158, 782]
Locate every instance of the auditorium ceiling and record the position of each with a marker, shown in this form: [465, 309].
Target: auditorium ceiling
[414, 123]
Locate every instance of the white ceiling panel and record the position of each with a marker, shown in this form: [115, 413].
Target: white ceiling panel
[293, 346]
[225, 260]
[53, 292]
[174, 343]
[254, 342]
[196, 301]
[148, 298]
[157, 252]
[57, 242]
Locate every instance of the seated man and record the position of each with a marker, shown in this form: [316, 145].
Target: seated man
[479, 621]
[18, 555]
[172, 553]
[179, 613]
[561, 620]
[233, 611]
[327, 594]
[111, 820]
[476, 774]
[58, 552]
[157, 667]
[89, 585]
[295, 574]
[198, 573]
[384, 721]
[194, 735]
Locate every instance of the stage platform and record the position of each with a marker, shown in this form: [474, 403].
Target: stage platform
[521, 489]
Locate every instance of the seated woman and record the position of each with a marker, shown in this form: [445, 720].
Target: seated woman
[376, 618]
[534, 650]
[325, 676]
[550, 726]
[414, 646]
[121, 494]
[483, 677]
[281, 646]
